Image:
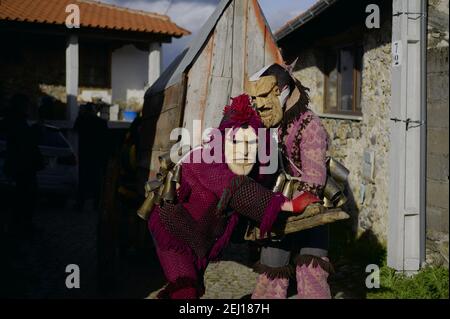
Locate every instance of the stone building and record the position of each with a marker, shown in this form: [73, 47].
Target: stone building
[437, 131]
[361, 85]
[114, 54]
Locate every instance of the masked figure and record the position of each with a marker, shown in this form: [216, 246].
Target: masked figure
[210, 198]
[282, 102]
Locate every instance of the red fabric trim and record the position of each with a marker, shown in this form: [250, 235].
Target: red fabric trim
[271, 213]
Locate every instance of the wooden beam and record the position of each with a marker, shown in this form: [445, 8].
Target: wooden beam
[84, 33]
[314, 215]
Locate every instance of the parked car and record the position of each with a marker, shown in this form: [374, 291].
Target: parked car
[60, 172]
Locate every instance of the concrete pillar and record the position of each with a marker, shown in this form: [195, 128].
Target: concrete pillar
[72, 75]
[154, 62]
[406, 195]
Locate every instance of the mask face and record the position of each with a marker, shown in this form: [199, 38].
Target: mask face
[240, 150]
[267, 99]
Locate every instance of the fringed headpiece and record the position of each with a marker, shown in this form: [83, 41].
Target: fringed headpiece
[240, 114]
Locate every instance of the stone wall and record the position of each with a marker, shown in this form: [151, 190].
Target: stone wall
[438, 133]
[350, 137]
[35, 65]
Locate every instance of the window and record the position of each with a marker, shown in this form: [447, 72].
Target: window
[343, 81]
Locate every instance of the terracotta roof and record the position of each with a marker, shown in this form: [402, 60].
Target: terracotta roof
[92, 14]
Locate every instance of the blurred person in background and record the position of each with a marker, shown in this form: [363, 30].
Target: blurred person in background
[22, 162]
[92, 154]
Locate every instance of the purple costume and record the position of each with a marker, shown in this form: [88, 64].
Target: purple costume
[305, 144]
[303, 141]
[194, 231]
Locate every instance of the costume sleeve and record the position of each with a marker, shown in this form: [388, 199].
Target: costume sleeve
[254, 201]
[313, 148]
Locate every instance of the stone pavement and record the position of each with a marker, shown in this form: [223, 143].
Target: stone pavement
[34, 266]
[35, 263]
[233, 278]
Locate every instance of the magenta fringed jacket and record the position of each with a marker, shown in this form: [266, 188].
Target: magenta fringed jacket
[210, 200]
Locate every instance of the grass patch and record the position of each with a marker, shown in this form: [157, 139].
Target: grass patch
[346, 249]
[429, 283]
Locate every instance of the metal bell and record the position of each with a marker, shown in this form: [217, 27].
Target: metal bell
[165, 161]
[288, 189]
[338, 171]
[332, 190]
[279, 184]
[152, 185]
[147, 207]
[327, 203]
[177, 174]
[342, 200]
[169, 190]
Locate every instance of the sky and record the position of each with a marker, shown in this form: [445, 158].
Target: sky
[191, 14]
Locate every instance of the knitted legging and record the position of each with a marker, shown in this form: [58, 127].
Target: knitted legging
[182, 275]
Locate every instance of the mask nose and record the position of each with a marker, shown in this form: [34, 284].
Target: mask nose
[259, 102]
[246, 150]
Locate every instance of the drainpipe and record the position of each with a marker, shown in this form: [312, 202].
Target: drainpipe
[423, 128]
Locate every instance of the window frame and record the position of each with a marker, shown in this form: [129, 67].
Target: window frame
[358, 53]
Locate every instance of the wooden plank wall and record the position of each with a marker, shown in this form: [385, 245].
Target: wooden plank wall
[240, 45]
[197, 89]
[164, 115]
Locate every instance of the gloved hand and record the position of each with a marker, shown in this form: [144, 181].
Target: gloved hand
[302, 201]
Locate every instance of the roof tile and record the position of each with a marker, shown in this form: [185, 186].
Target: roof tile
[92, 14]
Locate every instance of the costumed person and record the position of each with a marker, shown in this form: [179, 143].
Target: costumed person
[192, 231]
[23, 161]
[282, 102]
[92, 154]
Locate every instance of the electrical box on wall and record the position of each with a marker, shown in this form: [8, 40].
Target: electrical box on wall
[369, 165]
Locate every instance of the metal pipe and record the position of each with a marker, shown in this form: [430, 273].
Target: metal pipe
[423, 128]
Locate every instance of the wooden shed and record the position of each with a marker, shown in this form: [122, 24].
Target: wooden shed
[234, 43]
